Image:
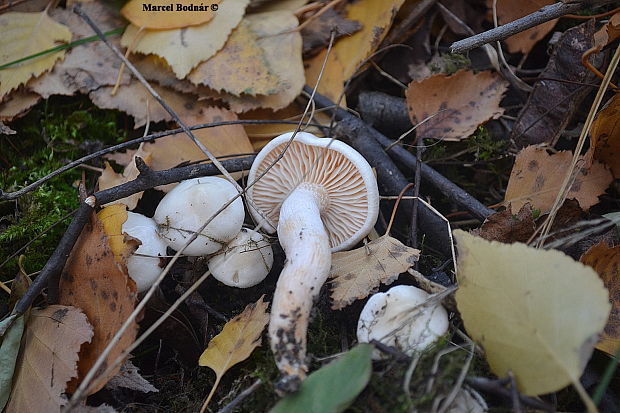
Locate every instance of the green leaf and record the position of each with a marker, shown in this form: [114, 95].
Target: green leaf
[9, 349]
[332, 388]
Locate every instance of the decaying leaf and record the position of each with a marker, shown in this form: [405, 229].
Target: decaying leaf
[376, 16]
[10, 340]
[240, 67]
[48, 359]
[237, 340]
[182, 13]
[509, 10]
[605, 135]
[95, 280]
[506, 227]
[333, 387]
[109, 178]
[18, 105]
[608, 33]
[24, 34]
[184, 48]
[606, 262]
[356, 274]
[129, 378]
[537, 177]
[456, 104]
[87, 66]
[316, 35]
[537, 313]
[5, 130]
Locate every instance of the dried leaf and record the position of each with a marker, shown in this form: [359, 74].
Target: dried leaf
[184, 48]
[456, 104]
[87, 66]
[95, 280]
[5, 130]
[535, 312]
[606, 262]
[10, 340]
[129, 378]
[356, 274]
[536, 178]
[506, 227]
[18, 105]
[160, 17]
[24, 34]
[316, 35]
[376, 17]
[509, 10]
[332, 81]
[608, 33]
[240, 67]
[605, 135]
[48, 360]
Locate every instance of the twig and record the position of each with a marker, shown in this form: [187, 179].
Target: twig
[230, 407]
[416, 192]
[502, 32]
[496, 387]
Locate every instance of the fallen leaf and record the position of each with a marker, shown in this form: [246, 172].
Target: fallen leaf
[237, 340]
[240, 67]
[278, 5]
[332, 80]
[281, 46]
[10, 340]
[357, 273]
[552, 103]
[317, 33]
[20, 283]
[48, 360]
[87, 66]
[184, 48]
[605, 135]
[18, 105]
[5, 130]
[605, 261]
[109, 178]
[333, 387]
[456, 104]
[536, 178]
[95, 280]
[156, 15]
[537, 313]
[376, 17]
[129, 378]
[507, 227]
[24, 34]
[508, 11]
[608, 33]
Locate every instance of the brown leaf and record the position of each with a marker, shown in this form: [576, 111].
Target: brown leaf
[317, 33]
[18, 105]
[95, 280]
[506, 227]
[537, 177]
[129, 378]
[357, 273]
[608, 33]
[606, 262]
[605, 135]
[456, 104]
[48, 360]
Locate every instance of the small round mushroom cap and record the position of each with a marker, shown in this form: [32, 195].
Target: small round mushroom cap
[393, 319]
[187, 207]
[244, 262]
[144, 266]
[341, 177]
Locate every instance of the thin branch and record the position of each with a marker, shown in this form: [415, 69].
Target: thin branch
[230, 407]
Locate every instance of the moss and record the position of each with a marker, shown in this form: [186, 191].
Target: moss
[486, 147]
[449, 63]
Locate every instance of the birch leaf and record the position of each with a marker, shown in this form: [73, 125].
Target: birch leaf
[357, 273]
[237, 340]
[537, 313]
[169, 19]
[24, 34]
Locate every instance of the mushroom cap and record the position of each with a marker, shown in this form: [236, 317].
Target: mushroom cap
[244, 262]
[144, 266]
[350, 197]
[392, 318]
[188, 206]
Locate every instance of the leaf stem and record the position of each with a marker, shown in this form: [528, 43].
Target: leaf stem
[206, 403]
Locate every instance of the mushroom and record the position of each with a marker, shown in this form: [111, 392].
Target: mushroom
[323, 197]
[145, 264]
[186, 208]
[402, 318]
[244, 262]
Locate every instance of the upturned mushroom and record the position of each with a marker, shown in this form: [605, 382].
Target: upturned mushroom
[322, 195]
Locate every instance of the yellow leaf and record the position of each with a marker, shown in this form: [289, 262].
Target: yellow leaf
[359, 272]
[239, 337]
[184, 48]
[605, 135]
[112, 218]
[332, 81]
[24, 34]
[159, 17]
[376, 17]
[240, 67]
[537, 313]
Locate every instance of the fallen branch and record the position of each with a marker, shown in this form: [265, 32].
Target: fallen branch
[496, 387]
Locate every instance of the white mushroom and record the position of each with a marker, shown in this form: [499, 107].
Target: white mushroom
[244, 262]
[402, 318]
[187, 207]
[144, 266]
[323, 197]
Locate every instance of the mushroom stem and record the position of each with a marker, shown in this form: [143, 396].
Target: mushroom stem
[308, 259]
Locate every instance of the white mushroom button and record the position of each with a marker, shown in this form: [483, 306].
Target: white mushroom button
[144, 265]
[244, 262]
[322, 195]
[186, 208]
[402, 318]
